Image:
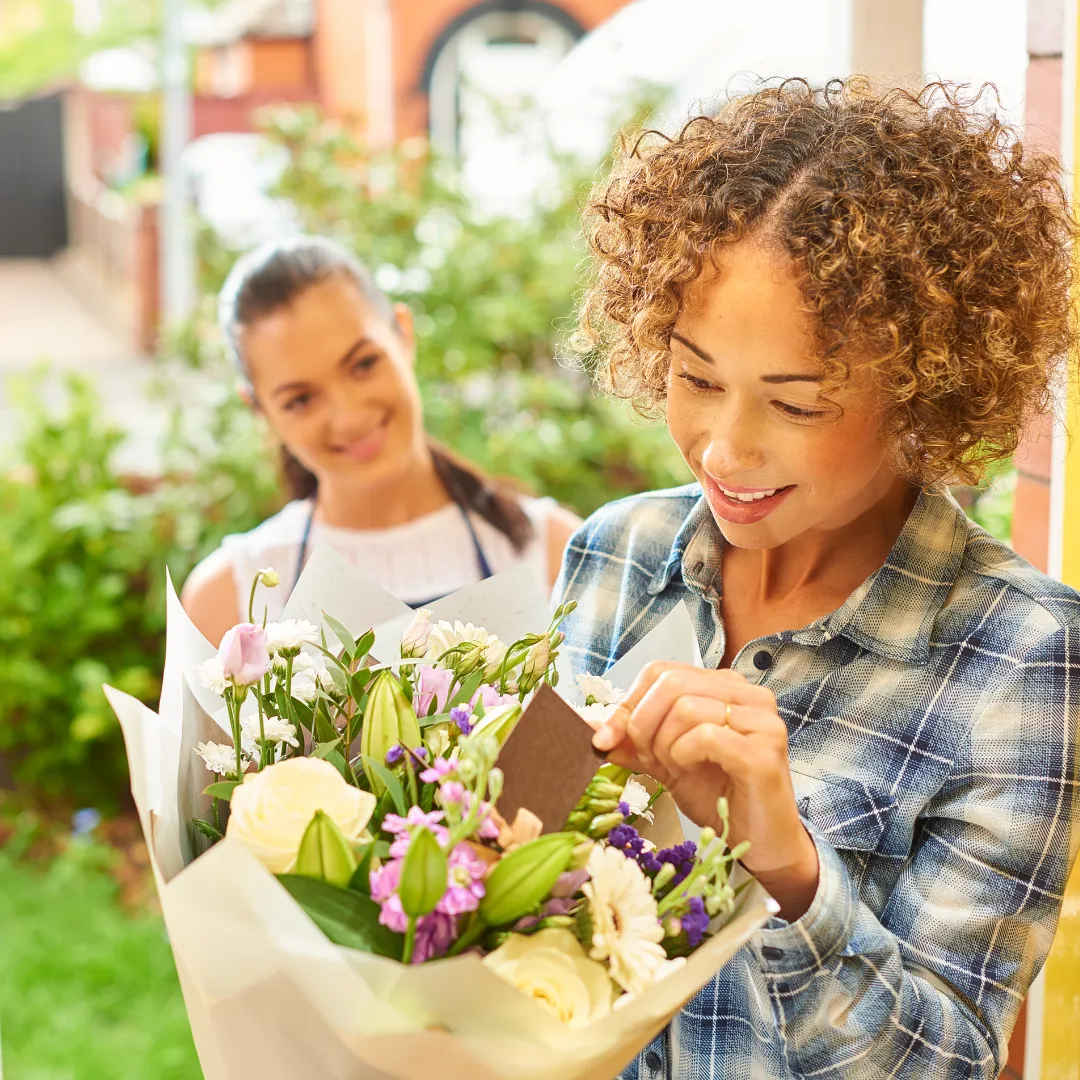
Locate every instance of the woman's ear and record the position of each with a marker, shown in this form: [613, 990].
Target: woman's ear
[247, 395]
[404, 318]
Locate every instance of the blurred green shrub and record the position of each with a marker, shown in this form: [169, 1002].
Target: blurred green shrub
[82, 592]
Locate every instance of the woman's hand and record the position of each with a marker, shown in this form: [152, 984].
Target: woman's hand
[707, 733]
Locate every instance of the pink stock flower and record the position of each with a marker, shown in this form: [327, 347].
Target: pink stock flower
[432, 685]
[441, 768]
[434, 933]
[402, 828]
[465, 882]
[384, 884]
[452, 793]
[243, 655]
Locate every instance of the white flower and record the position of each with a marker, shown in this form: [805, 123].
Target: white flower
[600, 690]
[595, 715]
[551, 967]
[212, 675]
[637, 798]
[494, 654]
[536, 660]
[414, 641]
[446, 636]
[304, 687]
[220, 759]
[270, 811]
[626, 930]
[290, 634]
[275, 728]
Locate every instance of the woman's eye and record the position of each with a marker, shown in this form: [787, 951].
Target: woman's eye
[295, 404]
[797, 413]
[363, 364]
[699, 386]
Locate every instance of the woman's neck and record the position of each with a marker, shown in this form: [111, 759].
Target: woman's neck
[404, 497]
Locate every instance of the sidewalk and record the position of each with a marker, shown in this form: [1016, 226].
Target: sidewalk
[43, 322]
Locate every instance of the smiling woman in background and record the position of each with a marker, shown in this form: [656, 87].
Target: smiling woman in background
[329, 362]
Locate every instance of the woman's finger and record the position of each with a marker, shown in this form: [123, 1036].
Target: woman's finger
[690, 711]
[613, 730]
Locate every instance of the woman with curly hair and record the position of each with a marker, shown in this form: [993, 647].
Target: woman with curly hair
[842, 300]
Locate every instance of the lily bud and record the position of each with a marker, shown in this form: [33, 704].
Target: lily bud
[499, 722]
[423, 875]
[389, 719]
[524, 877]
[269, 577]
[415, 639]
[536, 663]
[325, 853]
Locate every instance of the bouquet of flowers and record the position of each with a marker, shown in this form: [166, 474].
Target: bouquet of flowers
[384, 854]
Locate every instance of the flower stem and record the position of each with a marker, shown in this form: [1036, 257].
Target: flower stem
[474, 929]
[234, 723]
[251, 598]
[410, 940]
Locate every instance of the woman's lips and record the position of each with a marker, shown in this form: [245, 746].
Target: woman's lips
[739, 512]
[366, 448]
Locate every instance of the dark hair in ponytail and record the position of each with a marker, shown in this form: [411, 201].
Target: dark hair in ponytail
[271, 277]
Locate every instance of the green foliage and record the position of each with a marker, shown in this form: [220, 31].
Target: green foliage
[86, 989]
[82, 593]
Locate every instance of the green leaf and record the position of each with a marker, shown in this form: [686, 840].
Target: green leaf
[323, 730]
[358, 682]
[423, 875]
[346, 917]
[222, 789]
[348, 642]
[207, 829]
[337, 759]
[325, 853]
[390, 781]
[302, 712]
[431, 721]
[363, 646]
[361, 879]
[467, 689]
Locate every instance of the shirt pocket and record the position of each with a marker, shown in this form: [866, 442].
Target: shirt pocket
[851, 815]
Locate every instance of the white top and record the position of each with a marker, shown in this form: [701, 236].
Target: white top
[421, 560]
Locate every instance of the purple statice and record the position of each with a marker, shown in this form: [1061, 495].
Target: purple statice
[462, 717]
[432, 686]
[395, 755]
[465, 882]
[624, 809]
[440, 770]
[626, 839]
[695, 922]
[681, 857]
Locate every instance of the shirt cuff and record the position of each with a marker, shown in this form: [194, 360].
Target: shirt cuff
[787, 950]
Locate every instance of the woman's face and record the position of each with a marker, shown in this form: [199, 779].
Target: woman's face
[774, 460]
[336, 382]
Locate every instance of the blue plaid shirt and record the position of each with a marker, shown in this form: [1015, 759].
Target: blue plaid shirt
[932, 738]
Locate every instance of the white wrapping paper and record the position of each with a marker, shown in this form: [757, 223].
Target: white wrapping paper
[268, 995]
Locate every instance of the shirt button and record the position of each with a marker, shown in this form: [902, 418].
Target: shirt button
[763, 660]
[771, 952]
[652, 1059]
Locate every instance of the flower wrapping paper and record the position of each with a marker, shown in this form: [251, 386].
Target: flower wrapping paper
[267, 993]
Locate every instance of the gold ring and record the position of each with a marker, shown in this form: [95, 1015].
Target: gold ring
[727, 714]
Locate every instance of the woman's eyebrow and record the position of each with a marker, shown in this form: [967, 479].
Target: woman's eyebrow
[774, 379]
[354, 348]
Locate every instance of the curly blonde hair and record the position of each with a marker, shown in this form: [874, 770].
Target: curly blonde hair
[928, 243]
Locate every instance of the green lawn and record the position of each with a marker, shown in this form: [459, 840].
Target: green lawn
[87, 991]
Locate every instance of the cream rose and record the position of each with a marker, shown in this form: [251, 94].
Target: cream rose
[551, 967]
[271, 809]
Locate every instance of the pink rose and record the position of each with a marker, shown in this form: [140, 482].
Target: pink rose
[491, 698]
[432, 684]
[243, 655]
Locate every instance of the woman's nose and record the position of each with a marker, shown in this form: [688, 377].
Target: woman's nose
[735, 445]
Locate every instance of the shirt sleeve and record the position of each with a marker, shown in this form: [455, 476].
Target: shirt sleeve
[933, 985]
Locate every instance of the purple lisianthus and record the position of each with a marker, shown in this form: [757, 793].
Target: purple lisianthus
[462, 717]
[432, 685]
[440, 770]
[465, 882]
[243, 655]
[695, 922]
[569, 882]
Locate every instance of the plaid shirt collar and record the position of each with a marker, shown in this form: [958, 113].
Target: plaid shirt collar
[918, 575]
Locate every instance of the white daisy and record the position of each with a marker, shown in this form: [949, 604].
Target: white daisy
[595, 715]
[637, 798]
[626, 930]
[276, 729]
[304, 687]
[212, 675]
[445, 635]
[220, 759]
[290, 634]
[600, 690]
